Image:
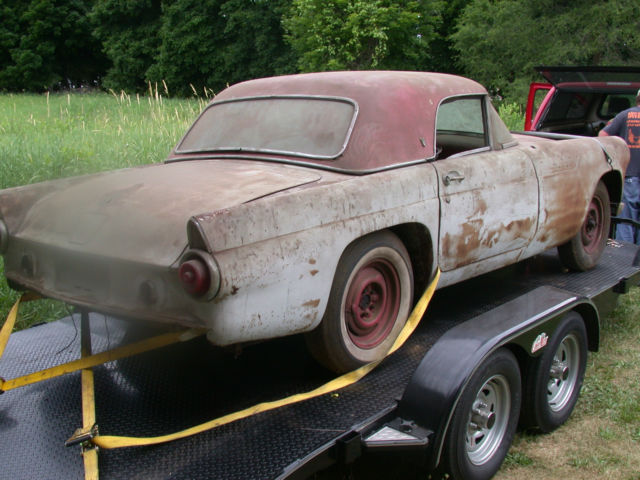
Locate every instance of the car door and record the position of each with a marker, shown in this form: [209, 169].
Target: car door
[488, 194]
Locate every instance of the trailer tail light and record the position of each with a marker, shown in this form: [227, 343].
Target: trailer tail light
[198, 274]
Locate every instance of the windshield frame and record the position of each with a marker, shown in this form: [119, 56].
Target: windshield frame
[263, 151]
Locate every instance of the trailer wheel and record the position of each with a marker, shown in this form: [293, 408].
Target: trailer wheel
[368, 305]
[583, 251]
[485, 420]
[555, 378]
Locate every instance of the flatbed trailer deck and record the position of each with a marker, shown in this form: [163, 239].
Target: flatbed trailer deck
[186, 384]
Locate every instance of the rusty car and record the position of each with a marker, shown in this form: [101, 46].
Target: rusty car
[314, 203]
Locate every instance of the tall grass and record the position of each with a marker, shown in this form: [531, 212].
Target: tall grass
[44, 137]
[52, 136]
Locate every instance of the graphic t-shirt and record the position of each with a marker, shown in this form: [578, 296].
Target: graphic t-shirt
[627, 125]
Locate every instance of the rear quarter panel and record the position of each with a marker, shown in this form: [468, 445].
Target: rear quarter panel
[278, 255]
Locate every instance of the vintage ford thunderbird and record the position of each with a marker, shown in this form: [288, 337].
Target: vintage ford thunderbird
[315, 203]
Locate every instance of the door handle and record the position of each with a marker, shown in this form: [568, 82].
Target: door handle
[453, 177]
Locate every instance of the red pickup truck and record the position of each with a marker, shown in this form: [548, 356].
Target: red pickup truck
[580, 100]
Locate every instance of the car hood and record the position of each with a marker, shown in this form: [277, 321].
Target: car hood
[139, 214]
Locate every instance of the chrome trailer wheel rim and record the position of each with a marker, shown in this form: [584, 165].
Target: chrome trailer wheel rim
[563, 374]
[488, 420]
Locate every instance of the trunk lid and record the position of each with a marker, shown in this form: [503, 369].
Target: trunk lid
[140, 214]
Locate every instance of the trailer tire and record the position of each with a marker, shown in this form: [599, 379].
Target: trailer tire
[369, 303]
[583, 251]
[555, 378]
[485, 420]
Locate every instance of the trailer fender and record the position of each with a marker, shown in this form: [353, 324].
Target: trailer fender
[437, 384]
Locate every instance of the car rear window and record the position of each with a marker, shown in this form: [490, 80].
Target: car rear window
[313, 127]
[569, 106]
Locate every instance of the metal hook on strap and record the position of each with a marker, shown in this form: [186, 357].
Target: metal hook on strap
[84, 437]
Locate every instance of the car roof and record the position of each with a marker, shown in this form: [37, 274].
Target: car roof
[395, 123]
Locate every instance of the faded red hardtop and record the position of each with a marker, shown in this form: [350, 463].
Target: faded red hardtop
[410, 98]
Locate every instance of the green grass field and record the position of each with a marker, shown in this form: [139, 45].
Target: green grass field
[44, 137]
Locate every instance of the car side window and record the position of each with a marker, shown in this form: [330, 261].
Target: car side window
[460, 126]
[614, 104]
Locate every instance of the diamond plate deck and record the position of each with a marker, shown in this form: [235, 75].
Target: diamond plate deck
[179, 386]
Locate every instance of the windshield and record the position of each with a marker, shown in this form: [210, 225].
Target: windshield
[313, 127]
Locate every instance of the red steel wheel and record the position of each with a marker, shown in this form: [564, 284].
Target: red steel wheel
[369, 303]
[593, 228]
[583, 251]
[372, 303]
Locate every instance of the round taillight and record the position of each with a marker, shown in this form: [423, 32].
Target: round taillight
[195, 277]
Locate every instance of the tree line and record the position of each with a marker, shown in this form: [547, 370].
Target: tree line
[188, 46]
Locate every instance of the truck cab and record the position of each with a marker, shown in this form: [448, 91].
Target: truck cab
[579, 100]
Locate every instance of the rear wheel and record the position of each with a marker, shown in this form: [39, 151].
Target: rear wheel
[368, 305]
[583, 251]
[485, 420]
[554, 379]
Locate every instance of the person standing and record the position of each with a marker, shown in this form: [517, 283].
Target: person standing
[626, 125]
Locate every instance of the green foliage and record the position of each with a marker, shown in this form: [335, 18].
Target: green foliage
[500, 41]
[254, 43]
[129, 32]
[218, 43]
[443, 55]
[198, 45]
[512, 116]
[189, 46]
[359, 34]
[47, 43]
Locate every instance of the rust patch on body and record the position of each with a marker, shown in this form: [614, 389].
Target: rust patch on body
[314, 272]
[312, 303]
[234, 290]
[520, 227]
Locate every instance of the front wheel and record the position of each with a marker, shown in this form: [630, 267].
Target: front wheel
[583, 251]
[485, 420]
[369, 303]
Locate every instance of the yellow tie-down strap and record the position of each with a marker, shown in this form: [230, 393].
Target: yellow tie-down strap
[7, 328]
[90, 360]
[110, 442]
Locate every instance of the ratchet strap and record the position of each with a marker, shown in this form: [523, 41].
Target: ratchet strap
[92, 360]
[110, 442]
[7, 328]
[88, 435]
[89, 454]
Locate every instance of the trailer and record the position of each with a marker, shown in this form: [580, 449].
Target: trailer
[503, 348]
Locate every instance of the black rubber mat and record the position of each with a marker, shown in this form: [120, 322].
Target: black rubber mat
[187, 384]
